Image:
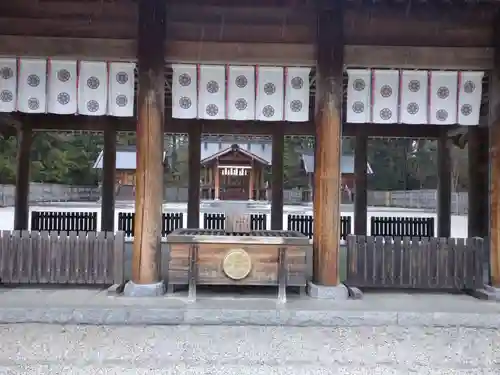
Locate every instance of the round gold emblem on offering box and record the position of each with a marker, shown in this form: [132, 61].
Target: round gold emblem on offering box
[237, 264]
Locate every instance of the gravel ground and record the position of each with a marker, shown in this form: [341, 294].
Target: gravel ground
[78, 350]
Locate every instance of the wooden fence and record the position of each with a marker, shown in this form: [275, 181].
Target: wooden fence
[57, 221]
[402, 226]
[305, 225]
[43, 258]
[429, 263]
[218, 221]
[169, 223]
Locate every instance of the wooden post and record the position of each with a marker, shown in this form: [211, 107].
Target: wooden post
[328, 120]
[149, 174]
[494, 124]
[478, 181]
[444, 187]
[216, 180]
[21, 209]
[251, 182]
[108, 180]
[360, 185]
[278, 145]
[193, 207]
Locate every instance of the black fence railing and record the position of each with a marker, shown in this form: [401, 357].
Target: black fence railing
[169, 223]
[402, 226]
[305, 225]
[218, 221]
[57, 221]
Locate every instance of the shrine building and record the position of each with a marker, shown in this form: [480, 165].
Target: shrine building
[324, 69]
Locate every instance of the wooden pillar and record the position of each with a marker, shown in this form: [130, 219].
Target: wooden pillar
[494, 124]
[328, 121]
[251, 182]
[108, 180]
[360, 185]
[278, 146]
[193, 206]
[216, 180]
[444, 187]
[478, 181]
[149, 173]
[21, 209]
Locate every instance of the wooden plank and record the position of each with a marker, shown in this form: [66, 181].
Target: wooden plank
[149, 173]
[290, 54]
[328, 123]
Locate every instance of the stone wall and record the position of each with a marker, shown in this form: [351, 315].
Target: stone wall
[51, 193]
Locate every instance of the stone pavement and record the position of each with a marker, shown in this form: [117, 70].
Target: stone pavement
[98, 307]
[84, 350]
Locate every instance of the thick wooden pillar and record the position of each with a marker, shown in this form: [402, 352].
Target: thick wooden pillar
[21, 209]
[108, 180]
[149, 173]
[478, 181]
[494, 124]
[278, 145]
[360, 185]
[444, 187]
[193, 207]
[328, 121]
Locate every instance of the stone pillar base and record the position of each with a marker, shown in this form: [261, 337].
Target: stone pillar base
[144, 290]
[489, 293]
[338, 292]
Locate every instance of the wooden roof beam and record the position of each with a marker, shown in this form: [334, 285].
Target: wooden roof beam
[465, 58]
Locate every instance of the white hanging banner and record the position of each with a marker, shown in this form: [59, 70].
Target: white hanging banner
[358, 96]
[297, 94]
[270, 94]
[443, 98]
[385, 94]
[62, 82]
[8, 85]
[414, 92]
[184, 91]
[241, 93]
[93, 88]
[469, 97]
[212, 92]
[121, 89]
[32, 86]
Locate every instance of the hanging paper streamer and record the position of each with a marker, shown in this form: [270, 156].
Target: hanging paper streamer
[121, 89]
[414, 91]
[241, 93]
[8, 85]
[443, 98]
[93, 88]
[385, 94]
[270, 94]
[297, 94]
[212, 92]
[32, 86]
[184, 91]
[62, 97]
[358, 96]
[469, 97]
